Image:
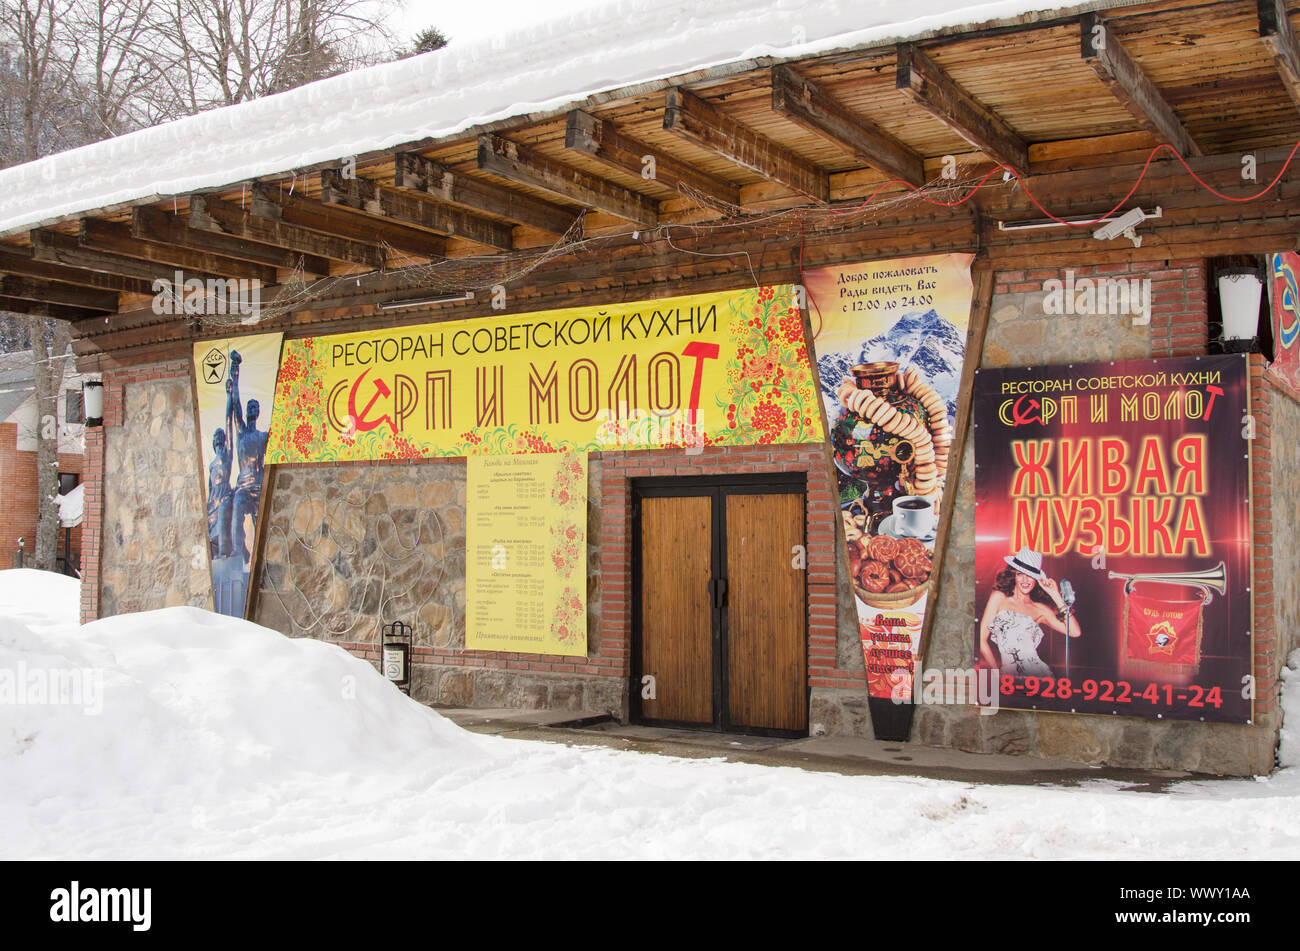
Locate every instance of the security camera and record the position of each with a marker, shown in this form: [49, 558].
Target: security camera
[1125, 225]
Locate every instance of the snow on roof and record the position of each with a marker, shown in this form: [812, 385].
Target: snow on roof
[439, 94]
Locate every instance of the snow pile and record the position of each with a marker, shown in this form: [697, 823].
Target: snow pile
[213, 737]
[1288, 752]
[541, 68]
[183, 706]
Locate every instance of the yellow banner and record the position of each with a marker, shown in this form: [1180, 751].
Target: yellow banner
[727, 368]
[526, 567]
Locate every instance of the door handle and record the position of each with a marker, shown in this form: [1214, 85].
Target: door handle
[718, 591]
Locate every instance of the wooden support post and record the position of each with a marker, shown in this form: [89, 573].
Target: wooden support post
[708, 127]
[934, 91]
[807, 105]
[519, 163]
[1102, 51]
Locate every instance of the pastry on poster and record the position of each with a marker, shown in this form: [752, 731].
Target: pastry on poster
[891, 439]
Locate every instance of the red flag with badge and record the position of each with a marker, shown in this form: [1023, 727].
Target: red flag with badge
[1162, 632]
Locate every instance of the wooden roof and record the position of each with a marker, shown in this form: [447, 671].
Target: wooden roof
[1216, 79]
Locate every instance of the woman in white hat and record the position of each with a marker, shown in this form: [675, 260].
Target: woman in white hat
[1024, 603]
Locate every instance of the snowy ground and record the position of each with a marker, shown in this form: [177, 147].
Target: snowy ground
[218, 738]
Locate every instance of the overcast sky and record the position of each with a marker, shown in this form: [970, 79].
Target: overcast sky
[466, 20]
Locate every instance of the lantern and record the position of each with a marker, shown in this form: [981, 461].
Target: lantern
[1239, 294]
[396, 649]
[92, 395]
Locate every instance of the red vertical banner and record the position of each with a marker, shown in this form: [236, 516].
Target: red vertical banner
[1113, 537]
[1284, 295]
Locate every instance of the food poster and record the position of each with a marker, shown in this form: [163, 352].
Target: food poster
[721, 369]
[1113, 537]
[526, 571]
[235, 386]
[890, 338]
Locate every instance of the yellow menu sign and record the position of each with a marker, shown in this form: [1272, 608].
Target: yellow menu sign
[526, 563]
[721, 369]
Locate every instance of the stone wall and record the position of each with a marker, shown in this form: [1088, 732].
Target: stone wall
[153, 525]
[350, 547]
[1285, 444]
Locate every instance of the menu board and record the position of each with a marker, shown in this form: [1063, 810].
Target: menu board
[526, 570]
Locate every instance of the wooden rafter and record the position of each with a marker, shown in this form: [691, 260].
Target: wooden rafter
[59, 248]
[419, 174]
[160, 227]
[519, 163]
[708, 127]
[213, 214]
[22, 261]
[367, 197]
[934, 91]
[1279, 38]
[115, 238]
[53, 292]
[19, 305]
[603, 141]
[274, 204]
[1103, 52]
[807, 105]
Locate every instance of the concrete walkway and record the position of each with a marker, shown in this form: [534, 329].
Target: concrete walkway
[851, 756]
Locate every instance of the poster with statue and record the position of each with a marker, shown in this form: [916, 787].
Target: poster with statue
[234, 379]
[890, 338]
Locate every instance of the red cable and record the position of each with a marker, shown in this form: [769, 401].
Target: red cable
[1079, 224]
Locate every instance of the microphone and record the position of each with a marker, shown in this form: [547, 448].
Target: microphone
[1067, 591]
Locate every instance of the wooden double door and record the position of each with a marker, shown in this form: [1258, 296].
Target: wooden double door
[720, 604]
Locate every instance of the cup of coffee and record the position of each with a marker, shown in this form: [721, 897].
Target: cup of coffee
[914, 515]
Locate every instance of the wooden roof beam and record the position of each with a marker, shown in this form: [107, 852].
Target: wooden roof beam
[417, 173]
[808, 106]
[934, 91]
[708, 127]
[157, 226]
[22, 261]
[52, 292]
[519, 163]
[1104, 53]
[367, 197]
[59, 248]
[1278, 37]
[272, 204]
[208, 213]
[603, 141]
[19, 305]
[115, 238]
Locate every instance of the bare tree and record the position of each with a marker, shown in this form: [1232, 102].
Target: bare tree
[50, 342]
[119, 82]
[37, 67]
[228, 51]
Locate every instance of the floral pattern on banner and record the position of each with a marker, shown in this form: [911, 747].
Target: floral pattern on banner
[568, 541]
[570, 486]
[570, 619]
[771, 397]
